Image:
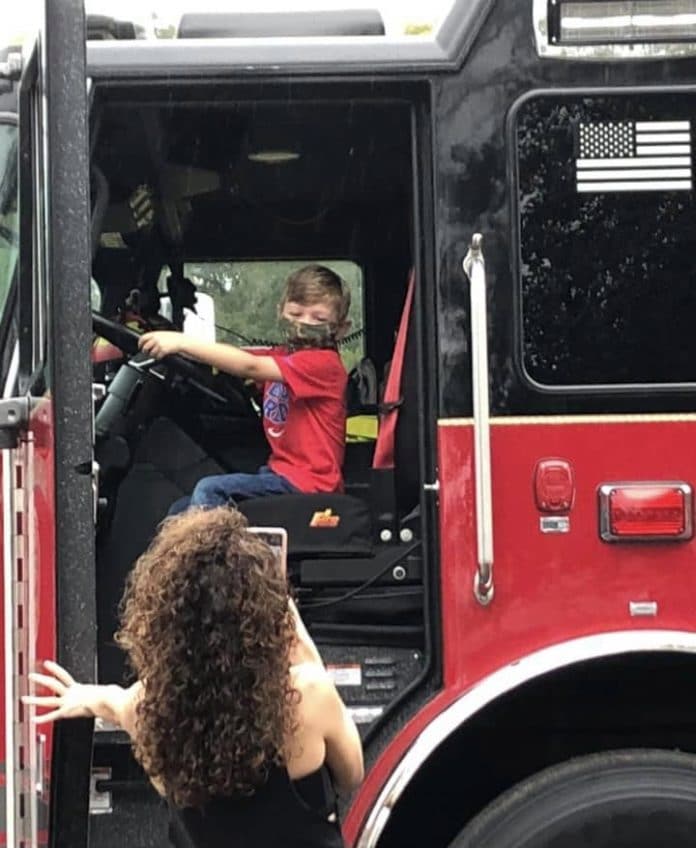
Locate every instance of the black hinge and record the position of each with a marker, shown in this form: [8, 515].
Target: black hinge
[14, 417]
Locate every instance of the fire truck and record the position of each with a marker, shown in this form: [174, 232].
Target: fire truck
[505, 593]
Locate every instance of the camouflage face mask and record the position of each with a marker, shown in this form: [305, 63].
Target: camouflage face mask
[299, 334]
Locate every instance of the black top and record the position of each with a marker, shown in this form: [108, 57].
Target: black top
[291, 813]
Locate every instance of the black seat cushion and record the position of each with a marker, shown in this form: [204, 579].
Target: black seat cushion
[317, 524]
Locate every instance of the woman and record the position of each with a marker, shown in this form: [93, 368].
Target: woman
[233, 717]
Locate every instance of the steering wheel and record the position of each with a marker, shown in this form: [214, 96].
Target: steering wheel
[231, 389]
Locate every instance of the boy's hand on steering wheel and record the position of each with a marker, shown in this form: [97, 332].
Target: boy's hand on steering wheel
[161, 343]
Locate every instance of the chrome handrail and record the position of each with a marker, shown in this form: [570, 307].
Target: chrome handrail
[475, 269]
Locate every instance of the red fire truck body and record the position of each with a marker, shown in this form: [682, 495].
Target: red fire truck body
[506, 602]
[550, 612]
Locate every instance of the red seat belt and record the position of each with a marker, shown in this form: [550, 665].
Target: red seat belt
[384, 449]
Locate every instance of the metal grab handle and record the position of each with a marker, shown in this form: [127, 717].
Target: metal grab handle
[475, 269]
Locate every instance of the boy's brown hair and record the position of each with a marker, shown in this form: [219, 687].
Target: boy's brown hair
[315, 283]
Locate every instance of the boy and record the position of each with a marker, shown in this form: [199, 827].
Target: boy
[304, 415]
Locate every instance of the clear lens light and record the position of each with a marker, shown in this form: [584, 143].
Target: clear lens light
[633, 21]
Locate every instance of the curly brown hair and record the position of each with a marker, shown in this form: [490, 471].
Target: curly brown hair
[207, 627]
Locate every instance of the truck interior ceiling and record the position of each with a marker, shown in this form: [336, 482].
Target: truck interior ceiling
[204, 198]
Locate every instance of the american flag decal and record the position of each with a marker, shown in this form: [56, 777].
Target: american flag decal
[634, 156]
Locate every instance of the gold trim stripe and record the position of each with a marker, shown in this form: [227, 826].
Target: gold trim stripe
[536, 420]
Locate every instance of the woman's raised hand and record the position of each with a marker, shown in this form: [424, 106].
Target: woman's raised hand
[69, 699]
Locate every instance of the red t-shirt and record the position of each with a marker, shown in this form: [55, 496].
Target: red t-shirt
[304, 419]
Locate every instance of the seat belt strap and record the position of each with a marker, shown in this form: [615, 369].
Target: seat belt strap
[384, 449]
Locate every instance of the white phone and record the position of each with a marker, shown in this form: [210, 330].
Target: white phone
[277, 539]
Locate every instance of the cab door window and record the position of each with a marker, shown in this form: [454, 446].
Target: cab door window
[607, 216]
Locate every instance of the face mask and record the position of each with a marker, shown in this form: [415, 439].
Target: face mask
[299, 334]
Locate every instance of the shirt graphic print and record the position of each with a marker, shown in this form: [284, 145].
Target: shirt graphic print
[275, 409]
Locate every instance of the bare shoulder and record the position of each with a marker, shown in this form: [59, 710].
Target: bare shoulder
[315, 687]
[322, 712]
[308, 676]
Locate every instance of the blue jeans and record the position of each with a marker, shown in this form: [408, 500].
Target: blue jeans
[224, 489]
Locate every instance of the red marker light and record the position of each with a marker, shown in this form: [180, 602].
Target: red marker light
[554, 486]
[645, 511]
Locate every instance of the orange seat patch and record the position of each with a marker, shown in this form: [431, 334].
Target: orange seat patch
[325, 518]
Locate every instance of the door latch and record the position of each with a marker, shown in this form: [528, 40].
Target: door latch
[100, 802]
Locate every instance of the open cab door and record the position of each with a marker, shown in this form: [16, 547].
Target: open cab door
[47, 491]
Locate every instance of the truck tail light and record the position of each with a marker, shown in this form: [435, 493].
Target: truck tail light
[645, 511]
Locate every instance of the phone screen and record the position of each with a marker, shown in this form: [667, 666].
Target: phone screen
[277, 539]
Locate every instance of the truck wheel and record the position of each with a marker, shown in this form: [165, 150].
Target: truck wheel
[616, 799]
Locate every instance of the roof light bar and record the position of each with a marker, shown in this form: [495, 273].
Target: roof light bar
[626, 21]
[615, 29]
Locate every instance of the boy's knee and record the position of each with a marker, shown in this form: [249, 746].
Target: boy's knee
[206, 493]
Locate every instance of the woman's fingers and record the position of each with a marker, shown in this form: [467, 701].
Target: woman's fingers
[63, 700]
[46, 717]
[42, 700]
[49, 682]
[59, 672]
[45, 701]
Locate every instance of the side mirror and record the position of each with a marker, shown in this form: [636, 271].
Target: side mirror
[8, 160]
[10, 65]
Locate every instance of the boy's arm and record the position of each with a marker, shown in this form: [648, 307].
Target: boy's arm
[225, 357]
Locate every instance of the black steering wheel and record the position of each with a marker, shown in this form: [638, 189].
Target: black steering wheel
[230, 389]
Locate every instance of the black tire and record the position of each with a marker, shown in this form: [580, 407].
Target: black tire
[616, 799]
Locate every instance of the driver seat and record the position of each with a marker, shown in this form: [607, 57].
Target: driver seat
[331, 525]
[318, 524]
